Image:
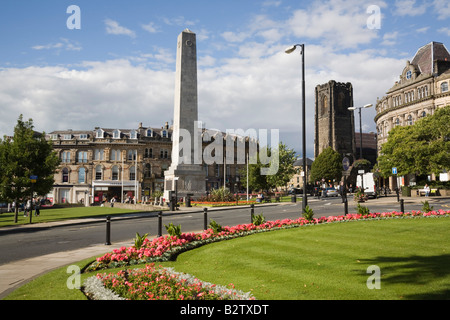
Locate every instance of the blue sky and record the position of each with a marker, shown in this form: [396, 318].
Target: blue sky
[118, 69]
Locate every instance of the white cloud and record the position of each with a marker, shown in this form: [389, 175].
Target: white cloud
[109, 94]
[113, 27]
[179, 21]
[409, 8]
[342, 24]
[442, 8]
[64, 44]
[445, 31]
[150, 27]
[390, 38]
[423, 30]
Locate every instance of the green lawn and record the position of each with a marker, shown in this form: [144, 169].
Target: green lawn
[317, 262]
[330, 261]
[57, 214]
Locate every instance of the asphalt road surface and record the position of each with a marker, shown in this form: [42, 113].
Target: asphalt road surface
[40, 240]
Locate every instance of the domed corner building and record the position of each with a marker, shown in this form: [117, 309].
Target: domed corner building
[423, 87]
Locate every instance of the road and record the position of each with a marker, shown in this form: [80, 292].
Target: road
[40, 240]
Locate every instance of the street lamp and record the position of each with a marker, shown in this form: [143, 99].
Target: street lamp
[288, 51]
[360, 126]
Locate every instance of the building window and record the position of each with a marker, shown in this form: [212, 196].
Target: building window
[98, 154]
[98, 172]
[132, 173]
[115, 173]
[54, 137]
[149, 133]
[164, 154]
[115, 155]
[147, 170]
[133, 134]
[82, 157]
[65, 175]
[82, 175]
[67, 137]
[164, 134]
[148, 153]
[423, 114]
[444, 87]
[132, 155]
[410, 120]
[65, 157]
[83, 136]
[397, 121]
[99, 133]
[116, 134]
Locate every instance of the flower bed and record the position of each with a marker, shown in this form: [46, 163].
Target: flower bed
[222, 203]
[167, 247]
[151, 283]
[159, 283]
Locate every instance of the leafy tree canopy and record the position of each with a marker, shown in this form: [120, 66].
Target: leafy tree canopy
[328, 166]
[421, 148]
[26, 154]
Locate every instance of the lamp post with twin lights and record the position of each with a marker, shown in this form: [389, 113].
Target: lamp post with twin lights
[360, 126]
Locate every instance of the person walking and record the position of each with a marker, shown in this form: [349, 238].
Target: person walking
[37, 211]
[27, 208]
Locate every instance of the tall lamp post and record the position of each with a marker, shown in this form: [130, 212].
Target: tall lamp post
[360, 126]
[288, 51]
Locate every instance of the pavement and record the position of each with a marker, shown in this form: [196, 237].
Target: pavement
[17, 273]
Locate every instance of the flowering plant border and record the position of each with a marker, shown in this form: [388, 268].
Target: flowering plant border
[101, 286]
[157, 283]
[167, 248]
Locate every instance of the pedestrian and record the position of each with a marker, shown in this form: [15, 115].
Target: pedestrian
[27, 208]
[37, 212]
[112, 201]
[427, 190]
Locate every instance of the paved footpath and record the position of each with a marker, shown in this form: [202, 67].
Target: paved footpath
[16, 274]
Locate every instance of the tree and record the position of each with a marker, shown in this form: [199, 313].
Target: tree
[286, 170]
[327, 165]
[26, 154]
[283, 163]
[422, 148]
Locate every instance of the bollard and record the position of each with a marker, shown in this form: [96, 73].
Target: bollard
[205, 218]
[159, 223]
[108, 231]
[402, 206]
[252, 212]
[346, 206]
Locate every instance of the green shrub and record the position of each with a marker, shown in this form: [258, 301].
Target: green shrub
[363, 210]
[139, 240]
[308, 213]
[215, 226]
[258, 219]
[426, 206]
[173, 230]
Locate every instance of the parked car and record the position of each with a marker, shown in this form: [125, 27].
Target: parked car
[331, 192]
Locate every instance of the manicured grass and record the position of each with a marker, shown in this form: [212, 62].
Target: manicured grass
[57, 214]
[313, 262]
[330, 261]
[51, 286]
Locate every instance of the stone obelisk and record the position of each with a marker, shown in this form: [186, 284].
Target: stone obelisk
[185, 175]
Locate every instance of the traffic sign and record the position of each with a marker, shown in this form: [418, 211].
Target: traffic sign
[33, 179]
[394, 170]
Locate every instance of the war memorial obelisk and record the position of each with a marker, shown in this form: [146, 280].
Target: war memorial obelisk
[185, 175]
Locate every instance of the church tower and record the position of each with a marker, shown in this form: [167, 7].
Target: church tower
[334, 123]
